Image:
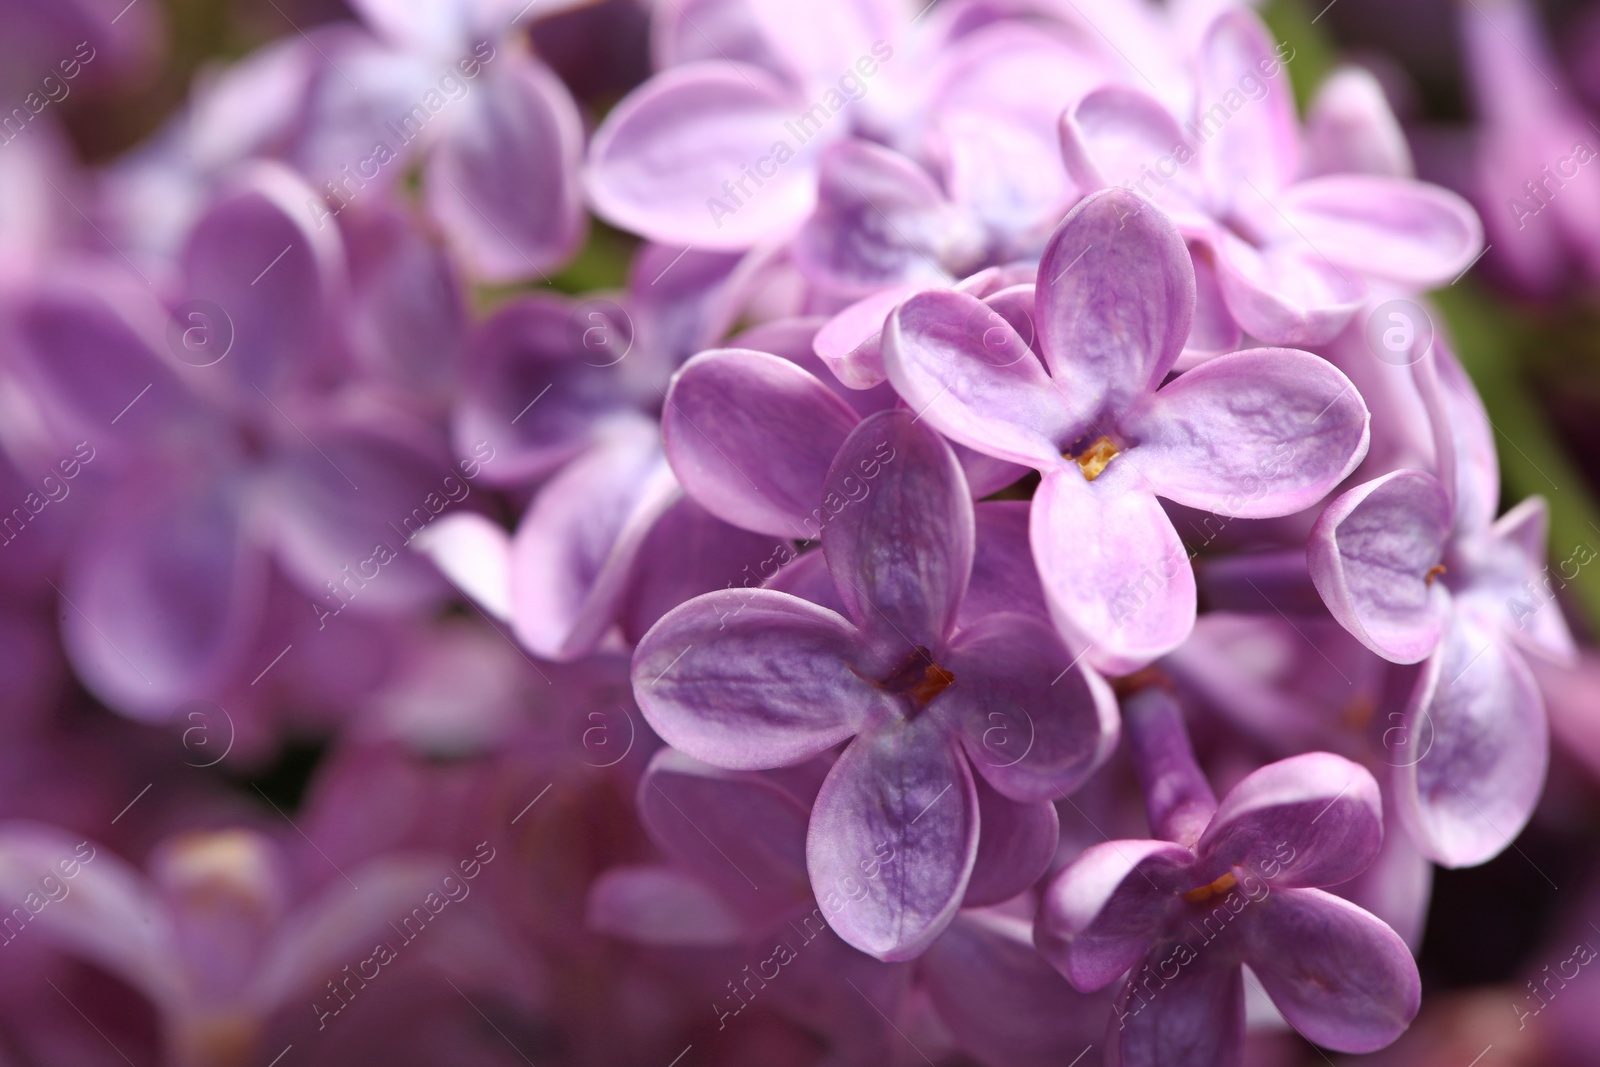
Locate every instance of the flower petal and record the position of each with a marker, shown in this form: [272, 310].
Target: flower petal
[1115, 574]
[749, 679]
[739, 832]
[880, 221]
[666, 161]
[1003, 575]
[1258, 139]
[1115, 302]
[751, 436]
[1253, 434]
[1100, 913]
[575, 548]
[1484, 746]
[1372, 554]
[851, 343]
[1016, 843]
[1285, 294]
[960, 364]
[503, 181]
[164, 595]
[1196, 1019]
[1407, 232]
[661, 906]
[1117, 135]
[1033, 723]
[1310, 820]
[899, 532]
[256, 255]
[531, 392]
[1340, 976]
[896, 821]
[474, 554]
[1001, 1001]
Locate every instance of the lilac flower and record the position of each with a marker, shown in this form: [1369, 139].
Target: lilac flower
[1256, 433]
[1291, 255]
[283, 475]
[735, 842]
[1530, 170]
[1418, 568]
[722, 149]
[756, 678]
[1227, 886]
[214, 936]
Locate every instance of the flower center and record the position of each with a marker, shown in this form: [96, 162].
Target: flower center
[918, 678]
[1434, 572]
[1093, 459]
[1213, 889]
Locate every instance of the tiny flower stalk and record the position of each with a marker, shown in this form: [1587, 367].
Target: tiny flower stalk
[1177, 797]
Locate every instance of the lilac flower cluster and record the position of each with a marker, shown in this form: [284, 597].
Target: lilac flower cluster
[826, 497]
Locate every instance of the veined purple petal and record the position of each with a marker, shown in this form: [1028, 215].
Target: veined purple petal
[669, 161]
[1341, 977]
[899, 537]
[1373, 555]
[1116, 299]
[1310, 820]
[1471, 791]
[1464, 449]
[1253, 434]
[962, 367]
[749, 679]
[751, 436]
[1116, 576]
[1197, 1019]
[1101, 912]
[1033, 723]
[893, 838]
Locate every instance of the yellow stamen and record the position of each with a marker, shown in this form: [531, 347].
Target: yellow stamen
[1093, 459]
[1433, 572]
[935, 680]
[1215, 889]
